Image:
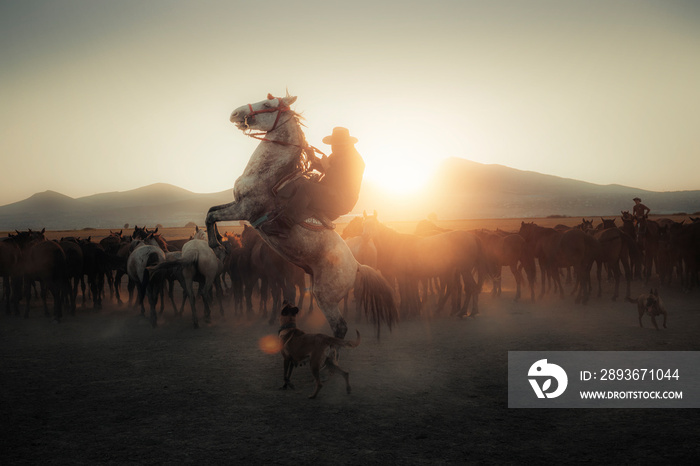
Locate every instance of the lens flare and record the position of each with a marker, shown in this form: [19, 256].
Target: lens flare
[270, 344]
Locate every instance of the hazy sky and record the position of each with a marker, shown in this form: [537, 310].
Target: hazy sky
[112, 95]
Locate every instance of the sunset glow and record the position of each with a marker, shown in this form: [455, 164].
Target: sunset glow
[118, 95]
[397, 174]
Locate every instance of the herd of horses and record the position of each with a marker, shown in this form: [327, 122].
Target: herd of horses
[440, 263]
[425, 269]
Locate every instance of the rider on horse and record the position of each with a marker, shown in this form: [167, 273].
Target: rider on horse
[640, 213]
[326, 198]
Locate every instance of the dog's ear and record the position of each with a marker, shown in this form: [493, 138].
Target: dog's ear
[286, 310]
[293, 311]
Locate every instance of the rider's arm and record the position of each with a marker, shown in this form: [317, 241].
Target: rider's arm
[320, 164]
[314, 162]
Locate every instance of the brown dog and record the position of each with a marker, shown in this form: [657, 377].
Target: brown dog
[650, 304]
[297, 346]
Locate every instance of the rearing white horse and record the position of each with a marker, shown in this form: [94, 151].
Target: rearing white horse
[323, 254]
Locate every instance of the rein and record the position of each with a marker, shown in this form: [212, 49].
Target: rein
[281, 108]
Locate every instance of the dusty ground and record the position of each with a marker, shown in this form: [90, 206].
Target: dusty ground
[104, 387]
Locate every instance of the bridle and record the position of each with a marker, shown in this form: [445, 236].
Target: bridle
[281, 108]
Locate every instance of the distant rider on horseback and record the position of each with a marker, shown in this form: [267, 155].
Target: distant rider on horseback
[640, 213]
[326, 198]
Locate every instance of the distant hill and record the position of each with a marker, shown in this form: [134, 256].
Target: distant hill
[150, 205]
[461, 189]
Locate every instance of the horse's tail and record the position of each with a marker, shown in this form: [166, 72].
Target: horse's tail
[376, 297]
[151, 264]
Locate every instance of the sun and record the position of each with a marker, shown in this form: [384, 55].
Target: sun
[397, 173]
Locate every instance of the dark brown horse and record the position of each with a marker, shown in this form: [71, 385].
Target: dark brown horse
[111, 245]
[141, 233]
[74, 262]
[510, 250]
[685, 238]
[234, 249]
[635, 253]
[647, 235]
[579, 250]
[96, 267]
[43, 261]
[543, 244]
[452, 256]
[614, 249]
[10, 272]
[261, 265]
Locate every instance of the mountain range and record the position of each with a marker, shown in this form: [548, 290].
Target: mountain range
[460, 189]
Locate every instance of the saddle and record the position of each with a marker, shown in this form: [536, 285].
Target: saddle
[279, 222]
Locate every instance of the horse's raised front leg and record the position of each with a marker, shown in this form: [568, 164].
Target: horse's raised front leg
[236, 210]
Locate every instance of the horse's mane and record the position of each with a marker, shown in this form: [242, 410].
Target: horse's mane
[233, 239]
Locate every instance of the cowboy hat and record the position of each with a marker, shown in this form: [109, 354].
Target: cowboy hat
[340, 136]
[637, 199]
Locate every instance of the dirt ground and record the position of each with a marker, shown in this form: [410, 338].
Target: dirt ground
[105, 388]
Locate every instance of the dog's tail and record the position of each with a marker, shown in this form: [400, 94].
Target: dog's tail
[340, 343]
[630, 300]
